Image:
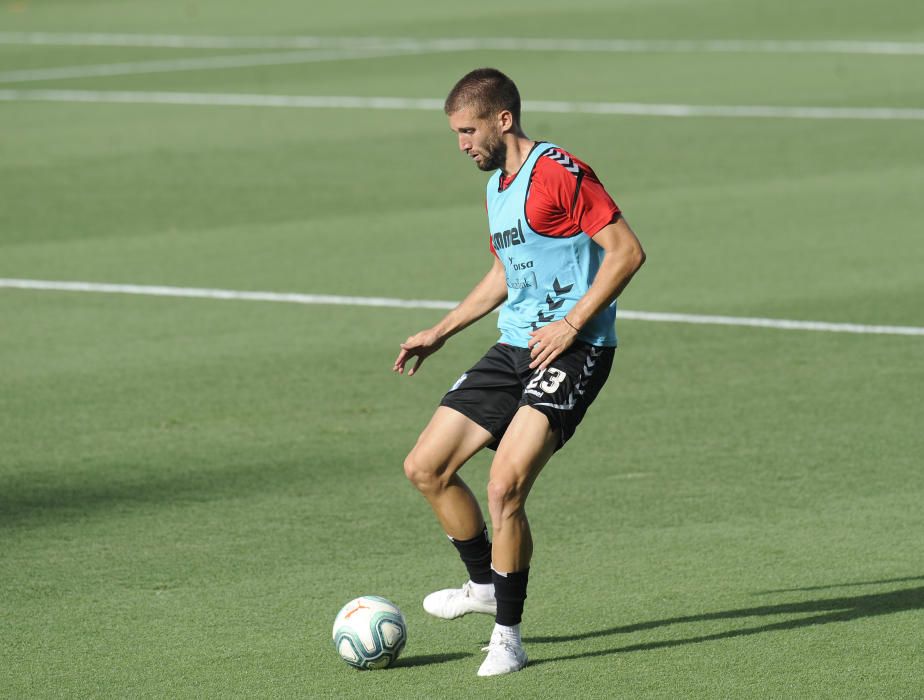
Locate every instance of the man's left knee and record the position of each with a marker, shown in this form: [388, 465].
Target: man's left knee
[506, 494]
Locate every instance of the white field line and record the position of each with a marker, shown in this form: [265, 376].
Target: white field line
[173, 41]
[195, 64]
[430, 104]
[221, 99]
[327, 299]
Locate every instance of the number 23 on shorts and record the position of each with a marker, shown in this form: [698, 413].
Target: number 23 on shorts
[548, 380]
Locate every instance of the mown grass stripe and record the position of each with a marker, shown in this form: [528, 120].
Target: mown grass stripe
[171, 41]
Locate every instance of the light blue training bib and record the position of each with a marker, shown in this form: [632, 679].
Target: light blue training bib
[546, 275]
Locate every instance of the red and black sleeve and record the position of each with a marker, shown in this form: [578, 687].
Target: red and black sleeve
[566, 197]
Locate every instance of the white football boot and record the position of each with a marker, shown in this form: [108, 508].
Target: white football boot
[451, 603]
[505, 652]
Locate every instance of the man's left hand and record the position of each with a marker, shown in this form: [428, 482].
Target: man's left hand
[549, 342]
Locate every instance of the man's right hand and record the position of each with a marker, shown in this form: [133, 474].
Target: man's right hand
[421, 346]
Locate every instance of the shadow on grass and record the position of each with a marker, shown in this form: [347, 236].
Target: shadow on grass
[428, 659]
[813, 612]
[903, 579]
[53, 498]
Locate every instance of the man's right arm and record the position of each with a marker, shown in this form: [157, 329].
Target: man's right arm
[486, 296]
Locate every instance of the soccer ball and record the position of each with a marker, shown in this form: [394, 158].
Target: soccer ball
[369, 632]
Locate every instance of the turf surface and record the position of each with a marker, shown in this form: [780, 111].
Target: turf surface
[190, 489]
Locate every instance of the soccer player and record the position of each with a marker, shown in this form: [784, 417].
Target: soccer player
[561, 254]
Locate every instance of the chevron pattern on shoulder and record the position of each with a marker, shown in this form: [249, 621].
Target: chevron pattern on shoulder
[564, 160]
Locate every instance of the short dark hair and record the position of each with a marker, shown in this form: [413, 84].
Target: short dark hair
[488, 91]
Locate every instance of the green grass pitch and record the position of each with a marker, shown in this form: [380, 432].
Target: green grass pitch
[191, 489]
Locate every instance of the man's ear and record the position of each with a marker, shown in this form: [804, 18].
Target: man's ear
[505, 120]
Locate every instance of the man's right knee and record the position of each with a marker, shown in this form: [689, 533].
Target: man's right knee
[426, 476]
[447, 443]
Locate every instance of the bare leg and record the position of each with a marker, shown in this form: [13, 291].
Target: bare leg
[526, 447]
[448, 441]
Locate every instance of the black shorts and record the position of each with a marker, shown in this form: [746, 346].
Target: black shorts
[491, 392]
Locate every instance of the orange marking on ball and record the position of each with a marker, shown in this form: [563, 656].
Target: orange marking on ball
[355, 610]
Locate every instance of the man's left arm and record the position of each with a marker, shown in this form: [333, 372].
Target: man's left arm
[623, 256]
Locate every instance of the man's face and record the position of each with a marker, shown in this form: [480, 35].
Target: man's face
[479, 138]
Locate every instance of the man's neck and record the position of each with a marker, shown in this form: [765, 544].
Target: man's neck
[518, 149]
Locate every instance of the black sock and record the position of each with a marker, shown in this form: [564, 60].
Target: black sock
[476, 555]
[510, 592]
